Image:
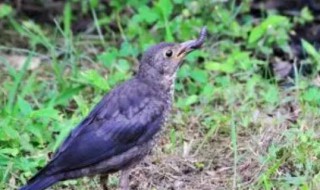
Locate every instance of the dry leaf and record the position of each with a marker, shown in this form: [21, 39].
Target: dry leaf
[281, 69]
[316, 81]
[17, 61]
[187, 146]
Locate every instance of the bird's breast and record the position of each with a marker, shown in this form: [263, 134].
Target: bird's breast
[169, 82]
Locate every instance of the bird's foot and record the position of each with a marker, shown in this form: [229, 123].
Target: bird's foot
[104, 181]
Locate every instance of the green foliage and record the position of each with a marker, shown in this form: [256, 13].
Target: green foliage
[305, 16]
[314, 54]
[5, 10]
[218, 89]
[298, 151]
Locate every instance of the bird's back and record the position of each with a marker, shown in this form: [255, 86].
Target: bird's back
[116, 133]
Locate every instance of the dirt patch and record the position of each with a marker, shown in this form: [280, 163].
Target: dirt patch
[214, 167]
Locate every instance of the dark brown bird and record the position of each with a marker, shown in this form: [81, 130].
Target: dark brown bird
[119, 131]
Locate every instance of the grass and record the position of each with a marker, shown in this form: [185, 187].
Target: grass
[231, 127]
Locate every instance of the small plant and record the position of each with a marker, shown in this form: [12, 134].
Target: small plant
[227, 104]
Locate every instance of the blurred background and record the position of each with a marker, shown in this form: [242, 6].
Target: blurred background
[246, 112]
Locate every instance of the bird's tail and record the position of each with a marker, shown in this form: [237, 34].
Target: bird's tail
[40, 183]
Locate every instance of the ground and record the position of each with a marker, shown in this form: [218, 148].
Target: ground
[246, 112]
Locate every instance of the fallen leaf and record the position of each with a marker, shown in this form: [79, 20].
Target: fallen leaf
[281, 69]
[316, 81]
[17, 61]
[186, 148]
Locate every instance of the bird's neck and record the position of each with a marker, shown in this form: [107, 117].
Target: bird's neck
[159, 81]
[163, 85]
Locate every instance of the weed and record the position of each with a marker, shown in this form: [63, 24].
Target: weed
[234, 127]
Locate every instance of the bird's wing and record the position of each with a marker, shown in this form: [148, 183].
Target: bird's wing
[123, 119]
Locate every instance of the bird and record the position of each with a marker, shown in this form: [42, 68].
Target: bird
[121, 129]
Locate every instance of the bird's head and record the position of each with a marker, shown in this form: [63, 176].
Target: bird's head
[161, 62]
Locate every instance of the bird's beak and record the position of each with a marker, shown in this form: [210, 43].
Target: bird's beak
[188, 46]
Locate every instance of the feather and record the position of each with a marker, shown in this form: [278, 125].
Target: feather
[102, 135]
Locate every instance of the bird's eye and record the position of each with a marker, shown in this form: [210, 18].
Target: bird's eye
[169, 53]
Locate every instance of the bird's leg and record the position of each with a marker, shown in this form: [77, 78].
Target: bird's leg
[124, 179]
[104, 181]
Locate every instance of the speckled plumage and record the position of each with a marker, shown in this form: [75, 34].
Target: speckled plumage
[119, 131]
